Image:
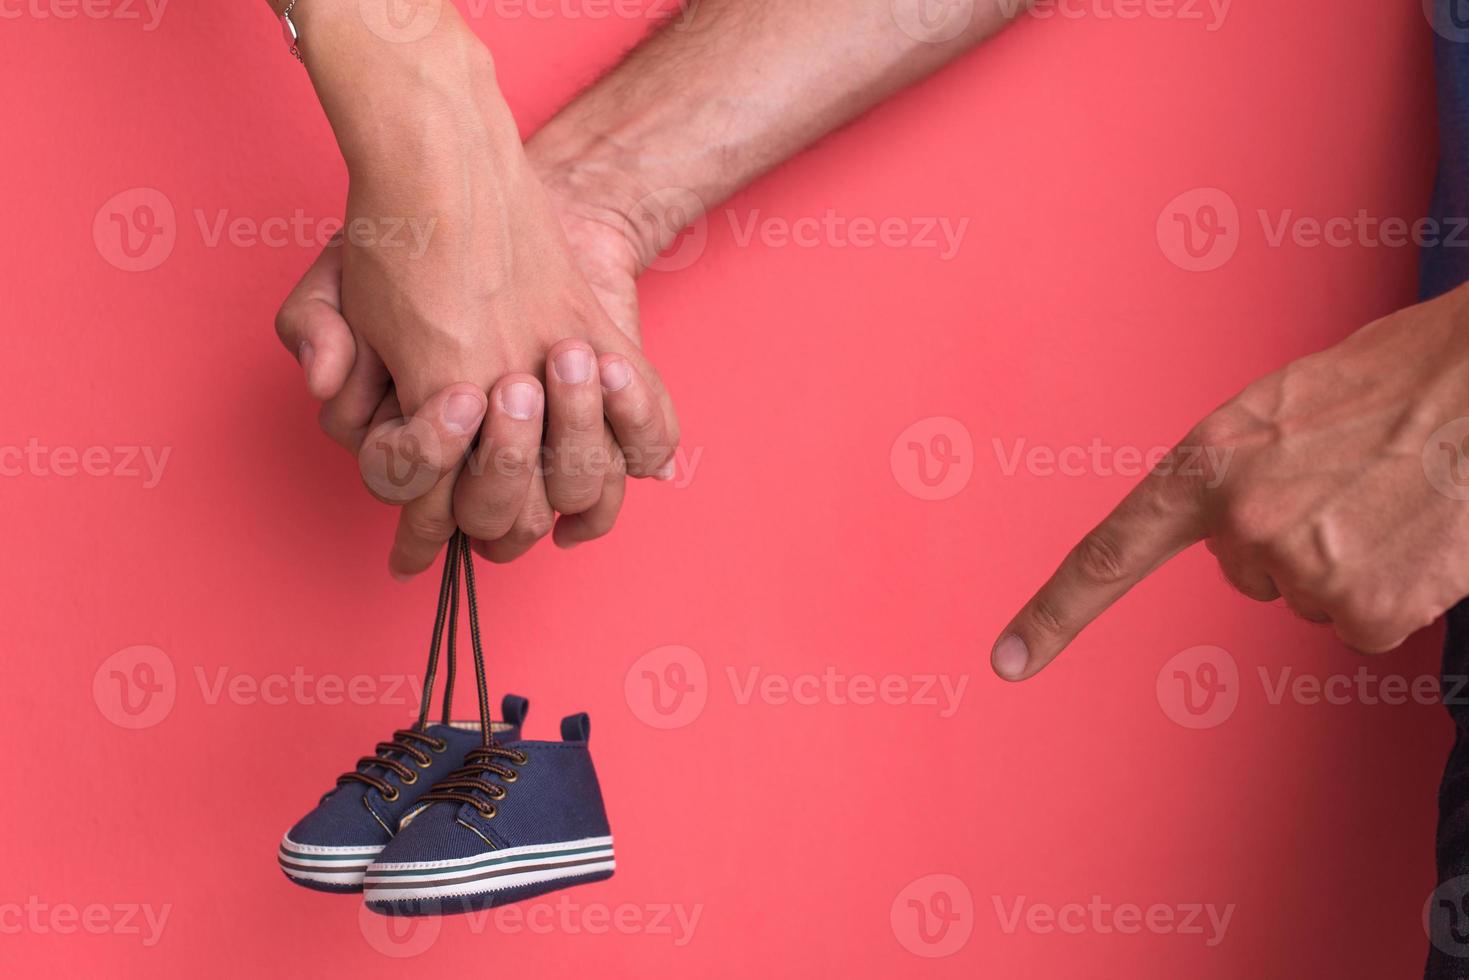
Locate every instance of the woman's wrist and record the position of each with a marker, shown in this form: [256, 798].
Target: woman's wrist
[404, 98]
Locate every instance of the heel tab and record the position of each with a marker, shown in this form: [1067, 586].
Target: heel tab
[576, 728]
[513, 709]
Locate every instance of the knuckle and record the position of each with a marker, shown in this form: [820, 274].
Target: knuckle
[640, 426]
[427, 526]
[286, 320]
[1099, 559]
[1047, 619]
[579, 415]
[533, 524]
[484, 521]
[512, 460]
[574, 498]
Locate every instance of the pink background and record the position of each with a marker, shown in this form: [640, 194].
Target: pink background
[796, 833]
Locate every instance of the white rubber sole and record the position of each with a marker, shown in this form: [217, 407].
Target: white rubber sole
[325, 865]
[489, 872]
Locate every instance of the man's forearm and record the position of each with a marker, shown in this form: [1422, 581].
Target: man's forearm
[734, 87]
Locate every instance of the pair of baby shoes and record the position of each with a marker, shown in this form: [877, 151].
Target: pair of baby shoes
[458, 815]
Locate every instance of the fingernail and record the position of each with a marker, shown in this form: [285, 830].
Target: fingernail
[1010, 657]
[306, 354]
[574, 366]
[666, 471]
[463, 413]
[400, 576]
[616, 375]
[520, 400]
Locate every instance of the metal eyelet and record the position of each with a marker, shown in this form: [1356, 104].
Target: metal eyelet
[410, 782]
[524, 758]
[499, 793]
[488, 812]
[424, 764]
[511, 776]
[394, 796]
[443, 744]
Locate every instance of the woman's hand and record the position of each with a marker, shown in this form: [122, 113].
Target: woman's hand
[466, 308]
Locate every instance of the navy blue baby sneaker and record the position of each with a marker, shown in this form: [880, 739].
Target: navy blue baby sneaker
[331, 847]
[518, 819]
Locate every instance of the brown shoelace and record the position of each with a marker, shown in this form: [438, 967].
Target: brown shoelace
[462, 785]
[410, 743]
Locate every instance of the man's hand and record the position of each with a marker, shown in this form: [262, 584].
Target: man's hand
[1334, 483]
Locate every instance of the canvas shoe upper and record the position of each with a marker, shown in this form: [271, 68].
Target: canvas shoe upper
[331, 846]
[518, 820]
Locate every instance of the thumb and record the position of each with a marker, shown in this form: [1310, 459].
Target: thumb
[311, 327]
[402, 459]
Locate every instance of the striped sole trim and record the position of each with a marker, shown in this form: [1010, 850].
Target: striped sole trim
[495, 871]
[327, 865]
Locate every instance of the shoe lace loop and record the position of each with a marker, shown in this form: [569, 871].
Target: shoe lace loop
[409, 743]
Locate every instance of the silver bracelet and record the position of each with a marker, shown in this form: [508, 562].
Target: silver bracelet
[288, 28]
